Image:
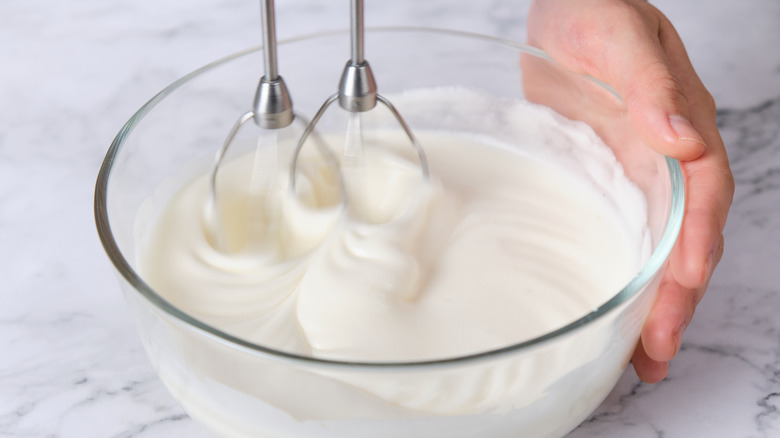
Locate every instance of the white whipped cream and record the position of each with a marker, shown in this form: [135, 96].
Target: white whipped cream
[504, 243]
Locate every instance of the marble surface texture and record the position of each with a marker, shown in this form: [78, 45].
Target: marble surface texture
[71, 73]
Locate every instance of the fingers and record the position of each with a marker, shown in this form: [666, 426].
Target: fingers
[648, 369]
[668, 319]
[700, 244]
[709, 184]
[663, 330]
[631, 46]
[709, 188]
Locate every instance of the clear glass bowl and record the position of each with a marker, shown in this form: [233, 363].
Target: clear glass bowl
[237, 388]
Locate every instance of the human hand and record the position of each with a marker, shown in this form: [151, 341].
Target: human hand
[632, 46]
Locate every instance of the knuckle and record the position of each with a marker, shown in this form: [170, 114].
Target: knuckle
[656, 82]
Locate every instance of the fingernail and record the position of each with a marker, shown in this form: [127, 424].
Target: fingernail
[684, 130]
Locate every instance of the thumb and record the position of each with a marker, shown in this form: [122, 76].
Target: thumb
[635, 62]
[619, 42]
[658, 108]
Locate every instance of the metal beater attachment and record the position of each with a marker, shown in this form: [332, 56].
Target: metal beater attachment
[272, 110]
[358, 93]
[272, 107]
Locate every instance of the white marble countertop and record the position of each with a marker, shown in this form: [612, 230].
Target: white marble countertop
[71, 73]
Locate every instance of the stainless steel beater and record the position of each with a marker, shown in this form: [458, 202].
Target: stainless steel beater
[357, 93]
[273, 110]
[272, 107]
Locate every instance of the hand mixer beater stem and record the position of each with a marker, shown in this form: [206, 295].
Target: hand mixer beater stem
[272, 110]
[272, 107]
[357, 89]
[357, 92]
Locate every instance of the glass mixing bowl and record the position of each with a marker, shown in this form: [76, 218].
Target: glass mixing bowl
[238, 388]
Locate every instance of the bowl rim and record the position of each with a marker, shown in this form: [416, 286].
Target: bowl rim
[121, 264]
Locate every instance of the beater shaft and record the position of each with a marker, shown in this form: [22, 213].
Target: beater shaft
[357, 93]
[356, 9]
[357, 88]
[268, 14]
[272, 106]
